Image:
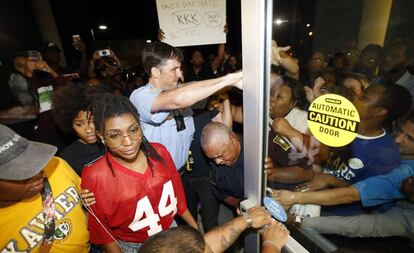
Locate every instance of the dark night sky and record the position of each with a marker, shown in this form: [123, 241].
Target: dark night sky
[125, 20]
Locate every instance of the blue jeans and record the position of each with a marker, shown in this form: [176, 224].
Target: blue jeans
[129, 247]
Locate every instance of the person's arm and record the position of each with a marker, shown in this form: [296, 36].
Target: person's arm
[188, 218]
[218, 60]
[274, 238]
[18, 114]
[322, 181]
[83, 64]
[42, 65]
[237, 113]
[318, 83]
[224, 114]
[232, 201]
[92, 62]
[289, 175]
[280, 57]
[223, 236]
[329, 197]
[227, 114]
[310, 96]
[323, 154]
[112, 247]
[191, 93]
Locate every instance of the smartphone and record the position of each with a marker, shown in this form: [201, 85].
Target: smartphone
[76, 38]
[104, 52]
[34, 55]
[71, 76]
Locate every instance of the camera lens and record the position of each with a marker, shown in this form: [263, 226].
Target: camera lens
[104, 52]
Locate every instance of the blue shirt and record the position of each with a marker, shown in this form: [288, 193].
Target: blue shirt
[384, 188]
[161, 127]
[364, 157]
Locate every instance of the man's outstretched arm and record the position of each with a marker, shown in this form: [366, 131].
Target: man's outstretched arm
[223, 236]
[188, 94]
[329, 197]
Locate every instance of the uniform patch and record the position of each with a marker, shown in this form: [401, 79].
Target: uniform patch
[281, 142]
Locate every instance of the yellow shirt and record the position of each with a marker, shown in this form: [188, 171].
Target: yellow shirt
[21, 224]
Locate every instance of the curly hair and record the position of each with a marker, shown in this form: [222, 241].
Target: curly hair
[67, 102]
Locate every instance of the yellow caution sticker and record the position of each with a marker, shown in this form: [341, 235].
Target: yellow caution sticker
[333, 120]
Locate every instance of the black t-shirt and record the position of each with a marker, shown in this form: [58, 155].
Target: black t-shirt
[201, 165]
[279, 149]
[79, 154]
[205, 73]
[283, 155]
[229, 181]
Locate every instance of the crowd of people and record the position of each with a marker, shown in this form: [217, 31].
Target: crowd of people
[111, 158]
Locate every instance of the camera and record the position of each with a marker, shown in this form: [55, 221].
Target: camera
[104, 52]
[76, 38]
[34, 55]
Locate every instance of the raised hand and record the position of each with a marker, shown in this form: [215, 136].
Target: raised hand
[276, 57]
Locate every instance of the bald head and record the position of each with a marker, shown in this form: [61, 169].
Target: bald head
[214, 133]
[220, 144]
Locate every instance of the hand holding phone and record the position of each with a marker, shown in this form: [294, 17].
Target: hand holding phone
[78, 44]
[104, 52]
[34, 55]
[76, 38]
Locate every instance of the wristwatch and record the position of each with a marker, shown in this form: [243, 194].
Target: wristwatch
[248, 219]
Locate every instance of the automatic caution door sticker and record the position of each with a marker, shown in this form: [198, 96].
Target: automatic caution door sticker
[333, 120]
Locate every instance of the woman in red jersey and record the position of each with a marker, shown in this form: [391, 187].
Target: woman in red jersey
[137, 188]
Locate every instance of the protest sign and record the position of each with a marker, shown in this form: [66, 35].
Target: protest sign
[192, 22]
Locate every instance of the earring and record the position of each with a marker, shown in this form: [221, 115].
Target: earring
[103, 141]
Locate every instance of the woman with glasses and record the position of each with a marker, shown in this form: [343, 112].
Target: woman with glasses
[137, 188]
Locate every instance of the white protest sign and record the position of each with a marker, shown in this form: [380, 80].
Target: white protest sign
[192, 22]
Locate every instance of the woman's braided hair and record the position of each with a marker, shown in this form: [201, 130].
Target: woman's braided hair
[106, 105]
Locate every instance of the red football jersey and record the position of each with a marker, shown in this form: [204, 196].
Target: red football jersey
[133, 206]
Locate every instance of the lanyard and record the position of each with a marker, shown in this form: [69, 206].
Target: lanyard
[48, 210]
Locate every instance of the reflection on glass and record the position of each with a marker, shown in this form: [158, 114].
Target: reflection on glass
[362, 51]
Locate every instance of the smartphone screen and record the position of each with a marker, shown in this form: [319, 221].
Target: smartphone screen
[105, 52]
[34, 55]
[76, 38]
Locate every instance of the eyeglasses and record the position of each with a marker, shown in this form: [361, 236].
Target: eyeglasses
[115, 139]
